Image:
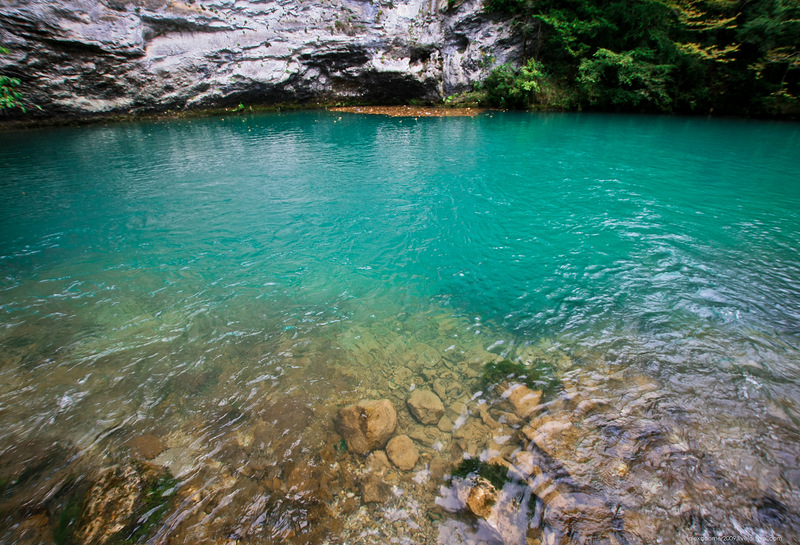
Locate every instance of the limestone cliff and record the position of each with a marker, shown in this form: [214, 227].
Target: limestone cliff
[112, 56]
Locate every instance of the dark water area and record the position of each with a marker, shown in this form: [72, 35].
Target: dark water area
[186, 306]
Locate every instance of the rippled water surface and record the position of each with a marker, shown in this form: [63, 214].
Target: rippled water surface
[186, 306]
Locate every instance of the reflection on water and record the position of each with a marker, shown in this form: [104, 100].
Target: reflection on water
[187, 306]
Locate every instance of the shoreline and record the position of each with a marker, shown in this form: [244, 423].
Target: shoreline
[73, 120]
[438, 109]
[411, 111]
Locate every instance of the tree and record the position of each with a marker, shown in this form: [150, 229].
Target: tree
[722, 56]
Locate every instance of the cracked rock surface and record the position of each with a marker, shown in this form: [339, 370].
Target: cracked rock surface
[118, 56]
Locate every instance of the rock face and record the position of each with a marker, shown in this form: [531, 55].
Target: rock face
[367, 425]
[402, 452]
[113, 56]
[425, 406]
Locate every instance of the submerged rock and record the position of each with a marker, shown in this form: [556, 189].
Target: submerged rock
[425, 406]
[378, 462]
[482, 498]
[117, 502]
[367, 425]
[147, 446]
[402, 452]
[445, 425]
[523, 400]
[110, 503]
[438, 467]
[34, 530]
[373, 489]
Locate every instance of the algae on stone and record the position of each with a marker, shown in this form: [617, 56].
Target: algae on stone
[538, 376]
[494, 473]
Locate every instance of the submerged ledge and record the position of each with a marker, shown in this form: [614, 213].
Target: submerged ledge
[434, 110]
[410, 111]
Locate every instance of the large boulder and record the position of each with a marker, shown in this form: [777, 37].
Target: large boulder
[367, 425]
[402, 452]
[425, 406]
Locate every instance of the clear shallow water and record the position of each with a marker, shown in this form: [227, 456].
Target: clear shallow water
[225, 285]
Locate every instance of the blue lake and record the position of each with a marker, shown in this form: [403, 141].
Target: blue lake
[202, 297]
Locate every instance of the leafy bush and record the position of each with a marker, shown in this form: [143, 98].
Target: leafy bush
[628, 80]
[507, 87]
[10, 97]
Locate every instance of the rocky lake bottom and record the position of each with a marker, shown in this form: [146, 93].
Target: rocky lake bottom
[599, 452]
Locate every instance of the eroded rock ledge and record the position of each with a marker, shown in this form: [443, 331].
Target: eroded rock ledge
[87, 57]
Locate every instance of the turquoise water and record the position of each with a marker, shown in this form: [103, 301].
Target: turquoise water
[197, 279]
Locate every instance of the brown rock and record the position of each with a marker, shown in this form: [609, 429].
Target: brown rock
[457, 409]
[525, 464]
[445, 425]
[425, 406]
[438, 467]
[511, 419]
[367, 425]
[440, 388]
[111, 503]
[146, 446]
[523, 400]
[378, 462]
[419, 435]
[374, 490]
[402, 452]
[482, 498]
[307, 481]
[487, 418]
[547, 434]
[34, 530]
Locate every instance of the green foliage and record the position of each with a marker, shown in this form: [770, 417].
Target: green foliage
[726, 56]
[507, 87]
[498, 86]
[494, 473]
[10, 96]
[626, 79]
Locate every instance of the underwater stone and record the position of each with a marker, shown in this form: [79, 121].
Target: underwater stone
[402, 452]
[445, 425]
[482, 498]
[147, 446]
[378, 462]
[111, 503]
[546, 433]
[374, 490]
[525, 464]
[367, 425]
[426, 406]
[438, 467]
[522, 399]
